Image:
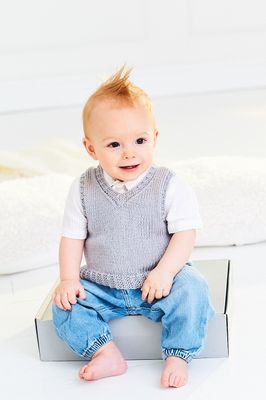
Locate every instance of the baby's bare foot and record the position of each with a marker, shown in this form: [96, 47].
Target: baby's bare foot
[175, 373]
[107, 361]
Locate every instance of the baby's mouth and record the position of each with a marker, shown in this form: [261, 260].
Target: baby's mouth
[130, 166]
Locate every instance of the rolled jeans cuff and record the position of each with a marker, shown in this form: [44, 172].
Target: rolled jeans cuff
[99, 342]
[185, 355]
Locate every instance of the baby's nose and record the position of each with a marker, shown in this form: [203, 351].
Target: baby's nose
[128, 154]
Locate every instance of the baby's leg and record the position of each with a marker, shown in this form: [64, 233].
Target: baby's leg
[107, 361]
[186, 312]
[86, 331]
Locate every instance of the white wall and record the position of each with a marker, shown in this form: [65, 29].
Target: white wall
[213, 124]
[53, 53]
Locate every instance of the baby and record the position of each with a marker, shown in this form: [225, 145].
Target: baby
[136, 224]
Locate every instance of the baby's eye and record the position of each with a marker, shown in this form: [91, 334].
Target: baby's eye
[141, 140]
[113, 144]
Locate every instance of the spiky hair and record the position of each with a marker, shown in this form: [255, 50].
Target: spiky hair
[117, 89]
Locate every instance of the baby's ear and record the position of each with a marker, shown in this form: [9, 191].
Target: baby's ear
[156, 134]
[89, 148]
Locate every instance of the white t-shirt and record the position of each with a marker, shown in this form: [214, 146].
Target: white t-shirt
[182, 211]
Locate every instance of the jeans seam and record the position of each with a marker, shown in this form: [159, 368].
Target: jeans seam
[99, 309]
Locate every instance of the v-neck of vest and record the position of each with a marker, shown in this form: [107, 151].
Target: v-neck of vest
[123, 197]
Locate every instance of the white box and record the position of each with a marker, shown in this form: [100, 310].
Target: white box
[138, 337]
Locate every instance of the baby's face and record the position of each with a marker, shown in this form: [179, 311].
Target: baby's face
[122, 138]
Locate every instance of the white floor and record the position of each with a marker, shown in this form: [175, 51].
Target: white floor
[242, 374]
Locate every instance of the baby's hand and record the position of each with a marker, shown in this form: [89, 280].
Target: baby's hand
[66, 292]
[157, 285]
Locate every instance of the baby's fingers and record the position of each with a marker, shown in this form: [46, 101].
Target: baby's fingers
[151, 295]
[72, 297]
[57, 301]
[65, 301]
[158, 294]
[81, 293]
[145, 291]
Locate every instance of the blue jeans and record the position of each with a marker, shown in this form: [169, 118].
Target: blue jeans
[184, 315]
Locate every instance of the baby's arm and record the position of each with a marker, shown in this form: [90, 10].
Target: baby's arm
[159, 281]
[70, 254]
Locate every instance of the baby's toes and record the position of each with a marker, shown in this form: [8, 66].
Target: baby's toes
[82, 371]
[176, 381]
[183, 381]
[172, 378]
[165, 379]
[180, 381]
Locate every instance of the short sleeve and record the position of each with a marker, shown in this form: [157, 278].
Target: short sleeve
[74, 221]
[181, 205]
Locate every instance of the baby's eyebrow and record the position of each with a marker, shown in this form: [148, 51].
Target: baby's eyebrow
[115, 139]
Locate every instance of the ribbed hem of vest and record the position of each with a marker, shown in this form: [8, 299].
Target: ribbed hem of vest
[181, 353]
[118, 281]
[99, 342]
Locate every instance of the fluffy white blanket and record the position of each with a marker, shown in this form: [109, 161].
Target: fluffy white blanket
[34, 182]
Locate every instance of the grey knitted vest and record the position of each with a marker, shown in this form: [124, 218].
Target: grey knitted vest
[127, 232]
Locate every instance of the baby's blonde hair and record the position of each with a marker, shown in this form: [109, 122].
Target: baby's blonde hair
[120, 91]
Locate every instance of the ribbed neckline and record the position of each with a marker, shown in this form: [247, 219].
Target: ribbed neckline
[123, 197]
